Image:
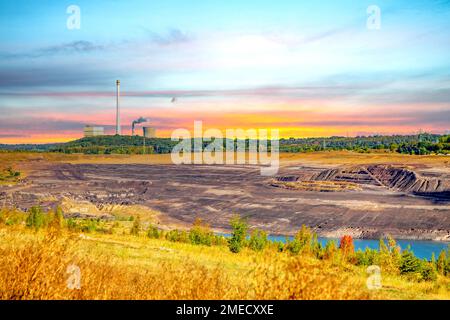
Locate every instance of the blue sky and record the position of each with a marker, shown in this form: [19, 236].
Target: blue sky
[309, 68]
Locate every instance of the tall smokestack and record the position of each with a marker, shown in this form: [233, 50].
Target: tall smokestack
[118, 131]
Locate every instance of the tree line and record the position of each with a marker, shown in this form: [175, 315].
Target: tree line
[420, 144]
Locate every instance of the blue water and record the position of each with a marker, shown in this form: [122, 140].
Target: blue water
[421, 249]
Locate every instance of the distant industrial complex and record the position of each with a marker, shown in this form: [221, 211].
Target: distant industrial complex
[92, 130]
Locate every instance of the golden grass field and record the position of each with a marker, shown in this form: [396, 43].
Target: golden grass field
[325, 157]
[33, 265]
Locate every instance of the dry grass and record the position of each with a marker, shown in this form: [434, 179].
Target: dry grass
[349, 157]
[118, 211]
[318, 186]
[34, 265]
[326, 158]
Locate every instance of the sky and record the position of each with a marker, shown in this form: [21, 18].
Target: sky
[307, 68]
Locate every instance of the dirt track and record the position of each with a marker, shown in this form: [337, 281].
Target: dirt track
[214, 193]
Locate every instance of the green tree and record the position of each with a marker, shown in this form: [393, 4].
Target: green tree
[409, 262]
[239, 234]
[389, 255]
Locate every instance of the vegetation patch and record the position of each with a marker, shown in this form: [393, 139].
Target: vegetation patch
[9, 175]
[320, 186]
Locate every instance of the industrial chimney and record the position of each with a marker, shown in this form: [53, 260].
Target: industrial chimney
[118, 131]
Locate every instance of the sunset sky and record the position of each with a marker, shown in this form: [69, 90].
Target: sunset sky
[307, 68]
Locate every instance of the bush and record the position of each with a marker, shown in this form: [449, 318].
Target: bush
[153, 232]
[238, 235]
[302, 241]
[331, 250]
[428, 272]
[177, 236]
[258, 240]
[389, 256]
[136, 226]
[366, 257]
[88, 226]
[200, 233]
[9, 174]
[35, 218]
[71, 224]
[220, 240]
[442, 264]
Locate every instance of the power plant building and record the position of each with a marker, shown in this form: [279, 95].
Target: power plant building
[92, 131]
[149, 132]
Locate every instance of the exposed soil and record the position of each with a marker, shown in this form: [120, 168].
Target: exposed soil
[405, 202]
[396, 178]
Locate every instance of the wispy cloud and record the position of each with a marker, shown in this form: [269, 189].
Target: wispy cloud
[80, 46]
[55, 75]
[172, 37]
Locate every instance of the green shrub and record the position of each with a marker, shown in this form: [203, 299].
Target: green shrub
[71, 224]
[36, 218]
[153, 232]
[219, 240]
[316, 247]
[366, 257]
[9, 174]
[88, 226]
[177, 236]
[136, 226]
[331, 250]
[428, 272]
[303, 241]
[258, 240]
[200, 233]
[239, 234]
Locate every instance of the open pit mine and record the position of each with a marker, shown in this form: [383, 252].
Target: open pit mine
[365, 201]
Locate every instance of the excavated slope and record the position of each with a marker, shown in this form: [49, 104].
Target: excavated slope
[392, 177]
[406, 180]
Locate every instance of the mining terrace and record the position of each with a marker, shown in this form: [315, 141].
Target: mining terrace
[365, 201]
